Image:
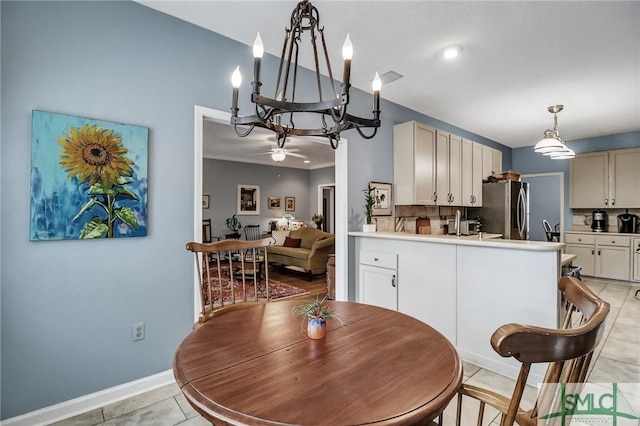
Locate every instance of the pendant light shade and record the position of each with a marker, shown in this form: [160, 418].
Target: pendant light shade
[552, 144]
[278, 154]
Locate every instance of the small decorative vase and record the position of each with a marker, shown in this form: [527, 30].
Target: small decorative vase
[316, 328]
[369, 227]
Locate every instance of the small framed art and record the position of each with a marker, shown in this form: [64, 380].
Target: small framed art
[382, 196]
[290, 204]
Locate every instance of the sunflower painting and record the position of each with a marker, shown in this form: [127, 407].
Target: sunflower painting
[88, 178]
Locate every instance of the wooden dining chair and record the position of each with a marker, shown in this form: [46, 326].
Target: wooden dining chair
[568, 350]
[226, 267]
[252, 232]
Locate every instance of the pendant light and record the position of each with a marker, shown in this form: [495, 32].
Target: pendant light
[552, 144]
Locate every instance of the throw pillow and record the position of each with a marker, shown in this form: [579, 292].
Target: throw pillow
[292, 242]
[279, 237]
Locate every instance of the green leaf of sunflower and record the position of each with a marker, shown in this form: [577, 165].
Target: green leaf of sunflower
[126, 192]
[94, 228]
[128, 216]
[99, 189]
[90, 203]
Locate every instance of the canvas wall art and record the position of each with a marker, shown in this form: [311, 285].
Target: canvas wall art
[88, 178]
[248, 199]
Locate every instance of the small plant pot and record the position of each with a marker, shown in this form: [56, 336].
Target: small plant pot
[369, 227]
[316, 328]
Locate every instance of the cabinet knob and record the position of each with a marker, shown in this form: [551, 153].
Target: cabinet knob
[580, 239]
[606, 201]
[375, 259]
[613, 201]
[393, 281]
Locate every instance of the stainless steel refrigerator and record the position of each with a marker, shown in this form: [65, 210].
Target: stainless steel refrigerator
[505, 209]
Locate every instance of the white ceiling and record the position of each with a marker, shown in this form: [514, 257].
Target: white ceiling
[518, 58]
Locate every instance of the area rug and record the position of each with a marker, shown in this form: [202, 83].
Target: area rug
[277, 289]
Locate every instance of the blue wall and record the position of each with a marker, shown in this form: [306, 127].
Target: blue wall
[67, 306]
[525, 161]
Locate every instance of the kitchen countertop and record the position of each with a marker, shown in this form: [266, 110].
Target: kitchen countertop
[487, 240]
[615, 234]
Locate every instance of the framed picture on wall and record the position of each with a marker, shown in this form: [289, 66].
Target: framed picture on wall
[274, 203]
[290, 204]
[382, 197]
[205, 201]
[248, 199]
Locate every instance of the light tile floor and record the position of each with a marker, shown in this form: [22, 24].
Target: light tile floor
[616, 360]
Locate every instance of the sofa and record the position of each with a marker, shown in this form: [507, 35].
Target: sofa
[312, 254]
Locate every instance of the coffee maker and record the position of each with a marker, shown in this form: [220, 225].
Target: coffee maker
[599, 221]
[627, 222]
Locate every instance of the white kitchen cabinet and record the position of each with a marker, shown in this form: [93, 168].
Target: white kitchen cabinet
[601, 255]
[636, 259]
[414, 164]
[613, 257]
[426, 288]
[448, 169]
[471, 173]
[377, 279]
[584, 247]
[491, 161]
[605, 179]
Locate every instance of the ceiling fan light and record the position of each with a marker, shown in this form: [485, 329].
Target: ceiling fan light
[278, 155]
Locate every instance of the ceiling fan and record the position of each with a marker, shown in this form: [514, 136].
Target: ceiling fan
[279, 154]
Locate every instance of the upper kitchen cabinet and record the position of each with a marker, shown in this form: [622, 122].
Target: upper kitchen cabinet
[471, 174]
[414, 164]
[606, 179]
[448, 169]
[491, 161]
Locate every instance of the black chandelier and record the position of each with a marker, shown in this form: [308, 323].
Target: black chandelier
[277, 113]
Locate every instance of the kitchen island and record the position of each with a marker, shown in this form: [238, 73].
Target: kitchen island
[465, 287]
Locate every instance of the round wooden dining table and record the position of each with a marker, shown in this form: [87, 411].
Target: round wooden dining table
[255, 365]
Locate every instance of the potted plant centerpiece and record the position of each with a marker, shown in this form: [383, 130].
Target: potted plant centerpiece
[234, 226]
[318, 219]
[316, 312]
[369, 201]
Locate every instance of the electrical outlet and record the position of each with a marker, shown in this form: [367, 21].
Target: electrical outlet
[138, 331]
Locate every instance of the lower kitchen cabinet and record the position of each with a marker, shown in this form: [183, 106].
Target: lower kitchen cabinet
[601, 255]
[426, 287]
[377, 276]
[636, 259]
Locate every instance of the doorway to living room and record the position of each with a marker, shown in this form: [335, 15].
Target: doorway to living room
[339, 193]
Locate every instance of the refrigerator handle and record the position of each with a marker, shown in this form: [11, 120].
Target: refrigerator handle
[521, 213]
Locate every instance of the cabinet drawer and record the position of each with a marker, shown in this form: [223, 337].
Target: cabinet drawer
[579, 239]
[376, 258]
[616, 241]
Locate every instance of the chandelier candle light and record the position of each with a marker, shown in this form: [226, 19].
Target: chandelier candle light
[333, 112]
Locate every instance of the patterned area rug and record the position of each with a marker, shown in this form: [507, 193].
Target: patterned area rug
[277, 290]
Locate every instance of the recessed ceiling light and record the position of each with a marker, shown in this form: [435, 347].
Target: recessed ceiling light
[451, 52]
[306, 161]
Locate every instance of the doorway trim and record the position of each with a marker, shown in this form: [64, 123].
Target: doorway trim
[560, 176]
[332, 188]
[201, 114]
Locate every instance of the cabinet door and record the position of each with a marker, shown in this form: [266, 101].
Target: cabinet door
[477, 175]
[414, 178]
[468, 172]
[378, 287]
[442, 168]
[624, 178]
[613, 262]
[496, 160]
[636, 259]
[585, 257]
[589, 181]
[455, 170]
[491, 162]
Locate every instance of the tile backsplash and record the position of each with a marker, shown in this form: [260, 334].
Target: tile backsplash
[406, 216]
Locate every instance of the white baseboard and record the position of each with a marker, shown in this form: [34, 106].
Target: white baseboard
[91, 401]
